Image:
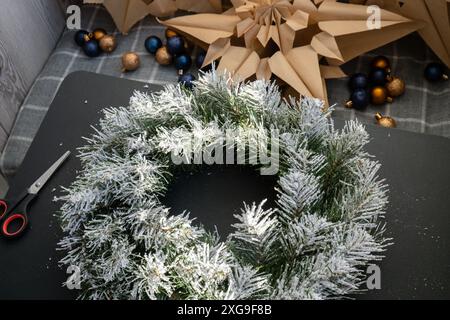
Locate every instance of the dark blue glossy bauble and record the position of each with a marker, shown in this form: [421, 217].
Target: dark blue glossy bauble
[183, 62]
[152, 44]
[358, 81]
[187, 80]
[175, 45]
[360, 99]
[434, 72]
[79, 37]
[92, 49]
[200, 59]
[378, 77]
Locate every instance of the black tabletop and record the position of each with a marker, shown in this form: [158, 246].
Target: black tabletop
[416, 167]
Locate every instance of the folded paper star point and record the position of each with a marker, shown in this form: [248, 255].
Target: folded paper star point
[435, 15]
[126, 13]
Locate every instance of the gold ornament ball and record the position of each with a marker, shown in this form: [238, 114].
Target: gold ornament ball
[163, 56]
[98, 34]
[396, 87]
[385, 121]
[382, 63]
[88, 37]
[379, 95]
[108, 43]
[170, 33]
[130, 61]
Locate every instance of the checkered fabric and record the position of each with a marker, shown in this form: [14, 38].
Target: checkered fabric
[424, 108]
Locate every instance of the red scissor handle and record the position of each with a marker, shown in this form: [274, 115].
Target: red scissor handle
[19, 218]
[14, 219]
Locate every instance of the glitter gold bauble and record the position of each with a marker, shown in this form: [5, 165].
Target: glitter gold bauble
[385, 121]
[130, 61]
[379, 95]
[163, 56]
[395, 87]
[108, 43]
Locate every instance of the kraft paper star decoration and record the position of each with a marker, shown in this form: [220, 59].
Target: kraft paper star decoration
[126, 13]
[302, 42]
[435, 14]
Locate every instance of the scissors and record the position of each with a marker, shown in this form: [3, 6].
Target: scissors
[13, 212]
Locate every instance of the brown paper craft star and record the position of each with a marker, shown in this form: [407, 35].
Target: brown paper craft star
[435, 14]
[289, 38]
[126, 13]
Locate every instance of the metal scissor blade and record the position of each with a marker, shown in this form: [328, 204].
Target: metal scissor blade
[39, 183]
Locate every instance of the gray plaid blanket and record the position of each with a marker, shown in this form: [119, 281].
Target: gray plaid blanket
[424, 107]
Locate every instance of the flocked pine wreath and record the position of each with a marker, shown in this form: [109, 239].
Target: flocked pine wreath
[315, 244]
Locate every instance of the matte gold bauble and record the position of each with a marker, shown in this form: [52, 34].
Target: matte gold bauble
[163, 56]
[98, 33]
[130, 61]
[170, 33]
[396, 87]
[385, 121]
[379, 95]
[108, 43]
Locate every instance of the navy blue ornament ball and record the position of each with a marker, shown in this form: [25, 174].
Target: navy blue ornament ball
[152, 44]
[183, 62]
[435, 72]
[359, 99]
[175, 45]
[80, 37]
[187, 80]
[91, 48]
[358, 81]
[378, 77]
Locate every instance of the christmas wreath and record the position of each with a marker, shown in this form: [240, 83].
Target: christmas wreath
[315, 244]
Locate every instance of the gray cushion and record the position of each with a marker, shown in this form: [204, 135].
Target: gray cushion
[29, 31]
[424, 107]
